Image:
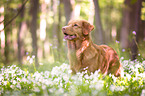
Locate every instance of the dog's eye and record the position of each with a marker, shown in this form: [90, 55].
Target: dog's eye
[75, 25]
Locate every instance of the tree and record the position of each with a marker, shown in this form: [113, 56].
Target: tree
[135, 19]
[59, 49]
[125, 25]
[19, 35]
[7, 31]
[99, 30]
[68, 8]
[54, 30]
[131, 19]
[33, 27]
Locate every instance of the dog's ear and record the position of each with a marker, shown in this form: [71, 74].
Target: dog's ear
[87, 28]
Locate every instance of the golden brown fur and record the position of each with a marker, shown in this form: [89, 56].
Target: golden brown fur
[82, 52]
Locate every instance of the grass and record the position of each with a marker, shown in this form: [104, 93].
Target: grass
[126, 53]
[60, 82]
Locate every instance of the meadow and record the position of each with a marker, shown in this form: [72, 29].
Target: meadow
[58, 81]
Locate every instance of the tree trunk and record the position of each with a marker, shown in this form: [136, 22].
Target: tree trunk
[54, 30]
[137, 19]
[7, 32]
[125, 25]
[33, 28]
[144, 34]
[99, 29]
[134, 26]
[141, 32]
[19, 36]
[68, 8]
[131, 22]
[59, 49]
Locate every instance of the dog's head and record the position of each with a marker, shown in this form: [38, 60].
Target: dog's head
[77, 29]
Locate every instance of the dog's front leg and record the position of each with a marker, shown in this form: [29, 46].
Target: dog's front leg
[81, 50]
[74, 63]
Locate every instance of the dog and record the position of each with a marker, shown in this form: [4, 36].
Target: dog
[83, 53]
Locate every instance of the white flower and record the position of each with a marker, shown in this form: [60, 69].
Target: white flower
[24, 79]
[110, 75]
[12, 86]
[55, 71]
[85, 68]
[33, 56]
[28, 58]
[128, 76]
[69, 71]
[40, 63]
[4, 82]
[51, 90]
[20, 72]
[14, 82]
[1, 77]
[7, 75]
[66, 78]
[87, 76]
[18, 79]
[119, 88]
[112, 88]
[138, 65]
[87, 81]
[60, 90]
[56, 80]
[43, 87]
[114, 78]
[116, 88]
[48, 82]
[99, 85]
[31, 60]
[143, 92]
[36, 89]
[18, 86]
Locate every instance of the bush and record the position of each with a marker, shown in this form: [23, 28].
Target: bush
[59, 81]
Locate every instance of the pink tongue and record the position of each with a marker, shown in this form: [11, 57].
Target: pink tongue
[69, 37]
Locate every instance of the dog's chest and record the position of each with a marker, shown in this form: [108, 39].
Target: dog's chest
[89, 53]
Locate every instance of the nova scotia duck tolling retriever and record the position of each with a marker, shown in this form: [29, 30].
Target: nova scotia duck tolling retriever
[83, 53]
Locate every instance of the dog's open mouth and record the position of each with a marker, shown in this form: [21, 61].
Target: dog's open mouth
[69, 37]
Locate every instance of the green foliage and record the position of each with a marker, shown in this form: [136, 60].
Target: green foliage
[85, 9]
[60, 82]
[133, 1]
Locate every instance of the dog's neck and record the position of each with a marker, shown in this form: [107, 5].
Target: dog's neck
[74, 45]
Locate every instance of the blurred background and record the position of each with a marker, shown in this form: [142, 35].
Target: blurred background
[33, 28]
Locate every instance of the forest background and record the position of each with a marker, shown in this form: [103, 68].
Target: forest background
[33, 28]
